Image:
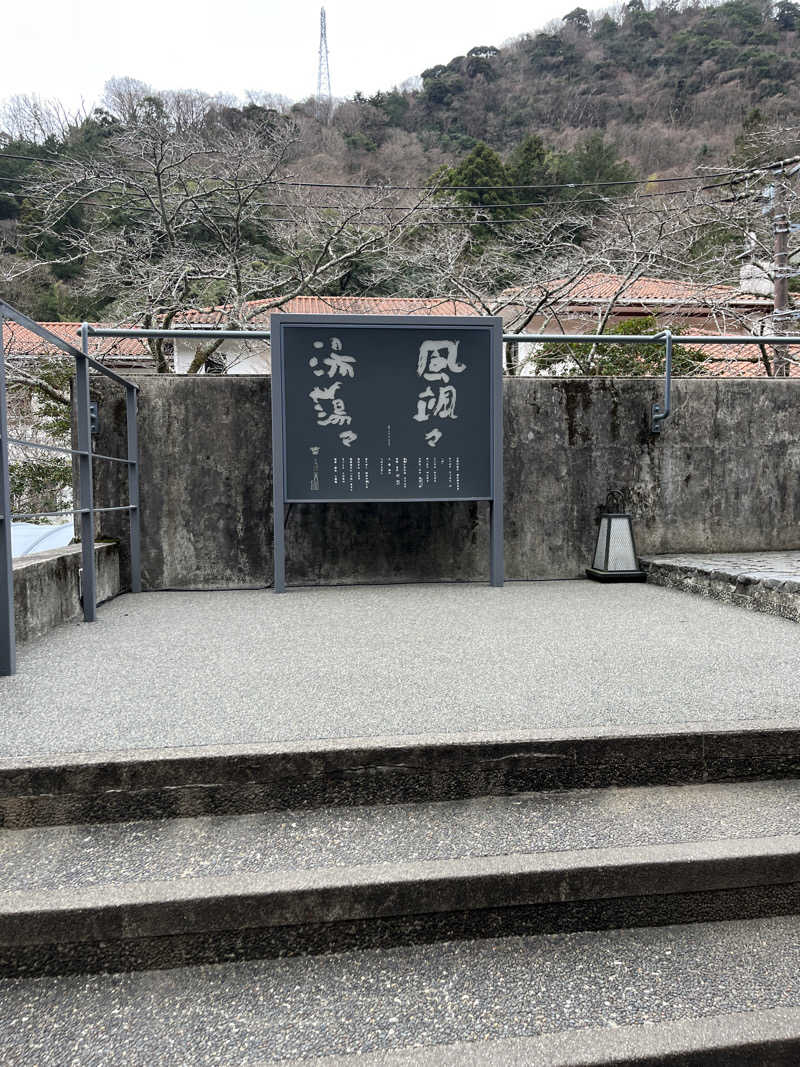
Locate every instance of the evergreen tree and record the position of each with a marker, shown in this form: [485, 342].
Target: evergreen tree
[578, 17]
[482, 167]
[528, 164]
[787, 15]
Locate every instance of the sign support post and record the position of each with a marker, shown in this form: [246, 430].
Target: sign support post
[496, 541]
[278, 491]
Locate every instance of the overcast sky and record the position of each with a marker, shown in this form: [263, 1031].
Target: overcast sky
[69, 48]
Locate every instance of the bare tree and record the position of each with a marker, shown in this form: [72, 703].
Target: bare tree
[39, 412]
[190, 204]
[28, 117]
[694, 238]
[516, 272]
[534, 270]
[122, 97]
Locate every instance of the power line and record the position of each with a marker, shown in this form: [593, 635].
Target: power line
[447, 188]
[741, 172]
[738, 175]
[435, 207]
[508, 205]
[34, 159]
[412, 221]
[504, 188]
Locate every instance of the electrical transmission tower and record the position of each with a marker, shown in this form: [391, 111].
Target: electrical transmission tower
[324, 100]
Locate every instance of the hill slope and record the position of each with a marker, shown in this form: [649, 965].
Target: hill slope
[670, 86]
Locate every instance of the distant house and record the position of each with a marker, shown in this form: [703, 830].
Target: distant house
[579, 307]
[253, 357]
[566, 307]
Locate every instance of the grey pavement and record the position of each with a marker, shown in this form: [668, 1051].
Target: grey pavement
[276, 1010]
[114, 853]
[183, 669]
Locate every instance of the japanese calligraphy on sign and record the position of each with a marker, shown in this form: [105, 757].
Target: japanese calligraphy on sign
[437, 361]
[374, 410]
[330, 409]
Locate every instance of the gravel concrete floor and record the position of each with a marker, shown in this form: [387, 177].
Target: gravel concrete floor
[182, 669]
[272, 1010]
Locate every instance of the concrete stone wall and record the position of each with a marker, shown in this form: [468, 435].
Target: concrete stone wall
[47, 587]
[724, 476]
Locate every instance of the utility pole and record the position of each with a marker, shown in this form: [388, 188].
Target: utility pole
[780, 227]
[324, 99]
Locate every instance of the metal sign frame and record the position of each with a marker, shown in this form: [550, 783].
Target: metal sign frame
[492, 326]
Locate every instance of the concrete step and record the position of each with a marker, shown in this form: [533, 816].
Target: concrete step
[163, 892]
[749, 1039]
[762, 581]
[720, 993]
[174, 782]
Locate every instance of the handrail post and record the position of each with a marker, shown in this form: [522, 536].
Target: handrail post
[658, 413]
[133, 489]
[85, 489]
[8, 648]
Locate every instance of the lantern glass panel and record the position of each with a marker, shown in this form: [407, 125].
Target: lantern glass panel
[600, 550]
[621, 554]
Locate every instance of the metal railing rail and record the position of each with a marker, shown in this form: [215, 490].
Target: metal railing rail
[659, 412]
[86, 457]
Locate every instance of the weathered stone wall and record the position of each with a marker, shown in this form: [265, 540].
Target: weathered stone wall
[724, 475]
[47, 587]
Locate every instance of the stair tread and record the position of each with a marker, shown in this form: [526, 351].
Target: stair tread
[364, 1001]
[74, 857]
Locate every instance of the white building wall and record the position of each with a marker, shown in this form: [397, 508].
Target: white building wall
[242, 357]
[755, 278]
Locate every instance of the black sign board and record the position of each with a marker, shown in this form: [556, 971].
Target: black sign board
[386, 408]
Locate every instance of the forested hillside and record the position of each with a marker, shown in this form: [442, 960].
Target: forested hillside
[670, 86]
[136, 208]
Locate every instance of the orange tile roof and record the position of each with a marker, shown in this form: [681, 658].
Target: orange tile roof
[599, 288]
[19, 341]
[670, 294]
[260, 310]
[741, 361]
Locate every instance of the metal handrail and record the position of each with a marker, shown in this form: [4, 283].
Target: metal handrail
[66, 451]
[659, 412]
[253, 335]
[86, 509]
[67, 511]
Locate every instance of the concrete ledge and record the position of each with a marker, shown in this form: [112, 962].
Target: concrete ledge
[768, 582]
[47, 587]
[768, 1038]
[226, 780]
[164, 924]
